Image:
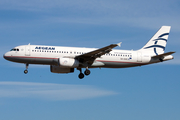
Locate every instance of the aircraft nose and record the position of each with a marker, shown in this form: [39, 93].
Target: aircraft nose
[6, 56]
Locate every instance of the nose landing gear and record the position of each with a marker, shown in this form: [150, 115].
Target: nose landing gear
[26, 71]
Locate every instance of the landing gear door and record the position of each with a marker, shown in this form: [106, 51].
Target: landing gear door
[27, 50]
[139, 57]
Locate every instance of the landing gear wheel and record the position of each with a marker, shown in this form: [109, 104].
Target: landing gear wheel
[81, 76]
[87, 72]
[25, 71]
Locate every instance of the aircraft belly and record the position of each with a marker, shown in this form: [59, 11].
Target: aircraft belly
[31, 60]
[119, 64]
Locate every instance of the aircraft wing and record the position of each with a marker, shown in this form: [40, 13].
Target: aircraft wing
[88, 58]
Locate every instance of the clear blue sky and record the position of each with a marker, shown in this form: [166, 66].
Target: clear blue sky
[142, 93]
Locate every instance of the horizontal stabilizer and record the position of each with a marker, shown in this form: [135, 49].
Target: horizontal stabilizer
[163, 55]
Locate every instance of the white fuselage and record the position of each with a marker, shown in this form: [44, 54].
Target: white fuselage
[49, 55]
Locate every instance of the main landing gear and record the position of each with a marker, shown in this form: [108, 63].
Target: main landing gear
[26, 71]
[86, 72]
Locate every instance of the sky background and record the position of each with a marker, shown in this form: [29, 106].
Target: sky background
[141, 93]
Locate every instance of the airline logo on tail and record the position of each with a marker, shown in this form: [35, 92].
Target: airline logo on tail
[156, 41]
[156, 45]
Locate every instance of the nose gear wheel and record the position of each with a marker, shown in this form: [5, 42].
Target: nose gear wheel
[26, 71]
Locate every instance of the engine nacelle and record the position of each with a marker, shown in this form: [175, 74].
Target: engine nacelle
[68, 62]
[57, 69]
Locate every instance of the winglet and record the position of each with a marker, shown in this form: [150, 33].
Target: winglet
[119, 44]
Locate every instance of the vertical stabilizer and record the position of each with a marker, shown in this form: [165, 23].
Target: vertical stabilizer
[156, 45]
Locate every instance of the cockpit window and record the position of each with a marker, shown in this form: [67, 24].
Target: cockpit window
[14, 49]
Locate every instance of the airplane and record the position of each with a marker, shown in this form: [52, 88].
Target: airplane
[66, 59]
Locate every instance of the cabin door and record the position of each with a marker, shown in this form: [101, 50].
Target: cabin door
[27, 50]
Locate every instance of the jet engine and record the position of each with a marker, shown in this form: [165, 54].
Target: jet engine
[57, 69]
[68, 62]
